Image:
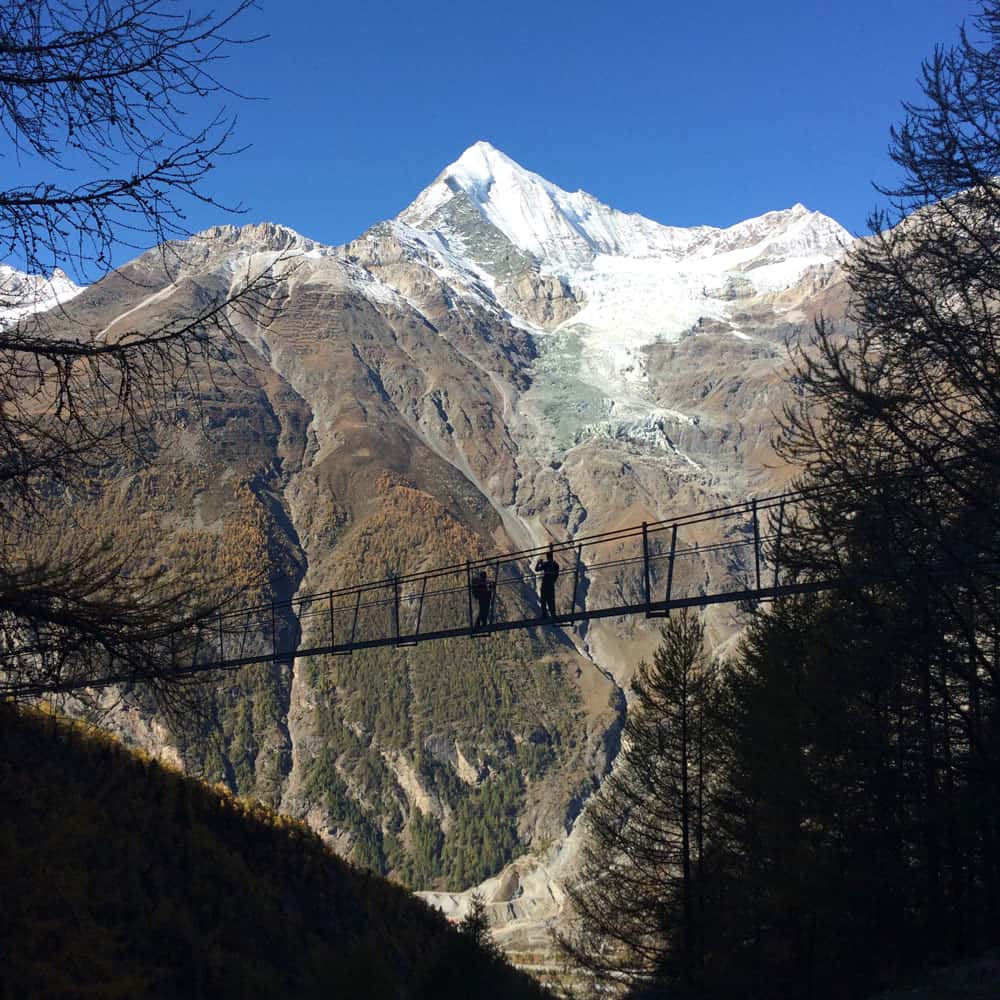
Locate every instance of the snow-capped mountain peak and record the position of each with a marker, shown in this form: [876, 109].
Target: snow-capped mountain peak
[622, 281]
[482, 164]
[565, 231]
[22, 294]
[539, 218]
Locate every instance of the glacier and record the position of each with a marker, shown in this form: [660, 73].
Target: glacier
[639, 282]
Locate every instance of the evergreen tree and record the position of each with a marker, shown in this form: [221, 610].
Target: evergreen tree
[890, 811]
[853, 758]
[475, 925]
[808, 845]
[640, 894]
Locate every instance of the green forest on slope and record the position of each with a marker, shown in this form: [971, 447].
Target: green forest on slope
[482, 699]
[511, 705]
[123, 878]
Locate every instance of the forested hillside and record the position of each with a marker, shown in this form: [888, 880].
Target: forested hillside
[123, 878]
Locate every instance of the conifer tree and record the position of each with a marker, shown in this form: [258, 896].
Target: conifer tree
[639, 898]
[897, 429]
[855, 746]
[108, 135]
[811, 867]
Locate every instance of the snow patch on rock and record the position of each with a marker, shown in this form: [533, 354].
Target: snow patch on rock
[23, 294]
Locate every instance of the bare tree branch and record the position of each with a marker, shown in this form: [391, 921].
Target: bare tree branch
[102, 103]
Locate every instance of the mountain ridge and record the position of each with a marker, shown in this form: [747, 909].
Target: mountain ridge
[22, 294]
[526, 207]
[424, 395]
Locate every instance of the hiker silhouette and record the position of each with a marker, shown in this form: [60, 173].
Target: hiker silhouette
[549, 569]
[482, 590]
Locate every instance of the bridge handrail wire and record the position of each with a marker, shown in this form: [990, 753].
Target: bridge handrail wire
[321, 599]
[488, 562]
[256, 624]
[226, 621]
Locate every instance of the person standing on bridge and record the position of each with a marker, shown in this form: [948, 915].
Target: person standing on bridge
[549, 569]
[482, 590]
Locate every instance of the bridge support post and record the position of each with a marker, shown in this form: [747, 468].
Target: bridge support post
[756, 546]
[645, 569]
[777, 542]
[420, 604]
[670, 567]
[496, 592]
[274, 630]
[468, 591]
[395, 601]
[576, 580]
[332, 642]
[222, 654]
[354, 624]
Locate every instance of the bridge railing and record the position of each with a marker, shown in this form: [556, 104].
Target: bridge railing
[726, 554]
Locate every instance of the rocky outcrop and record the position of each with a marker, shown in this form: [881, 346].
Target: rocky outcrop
[544, 300]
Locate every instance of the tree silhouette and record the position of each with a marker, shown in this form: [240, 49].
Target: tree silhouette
[903, 415]
[639, 897]
[102, 105]
[854, 816]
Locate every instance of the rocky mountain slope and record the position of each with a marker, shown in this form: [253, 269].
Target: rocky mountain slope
[503, 364]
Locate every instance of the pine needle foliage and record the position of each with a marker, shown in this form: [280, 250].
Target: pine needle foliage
[639, 896]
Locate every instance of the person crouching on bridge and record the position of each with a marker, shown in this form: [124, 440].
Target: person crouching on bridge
[482, 590]
[549, 569]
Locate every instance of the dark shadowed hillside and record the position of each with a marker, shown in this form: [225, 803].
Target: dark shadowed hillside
[123, 878]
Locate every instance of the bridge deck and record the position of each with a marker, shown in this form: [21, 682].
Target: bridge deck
[656, 609]
[647, 569]
[725, 555]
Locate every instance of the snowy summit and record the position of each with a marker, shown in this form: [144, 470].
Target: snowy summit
[637, 281]
[565, 231]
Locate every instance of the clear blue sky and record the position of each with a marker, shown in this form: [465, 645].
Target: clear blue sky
[703, 112]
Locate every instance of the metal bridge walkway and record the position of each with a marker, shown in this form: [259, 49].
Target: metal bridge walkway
[648, 569]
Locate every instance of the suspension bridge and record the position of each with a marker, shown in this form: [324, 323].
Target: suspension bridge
[724, 555]
[728, 554]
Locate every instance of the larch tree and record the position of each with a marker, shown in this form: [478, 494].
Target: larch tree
[102, 105]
